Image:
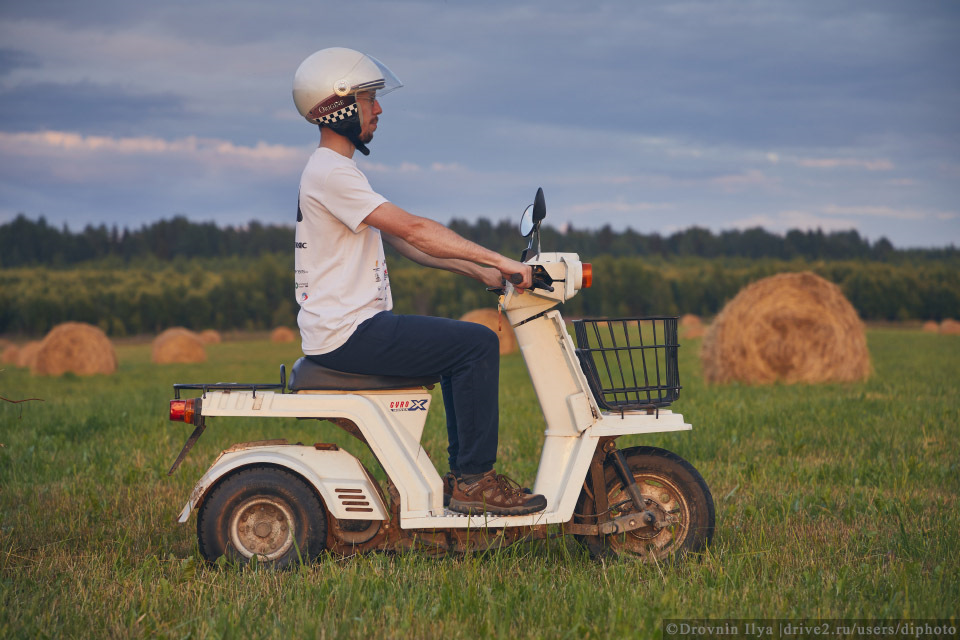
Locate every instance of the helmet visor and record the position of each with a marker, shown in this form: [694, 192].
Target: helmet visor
[383, 85]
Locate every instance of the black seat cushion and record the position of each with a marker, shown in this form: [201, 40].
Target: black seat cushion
[310, 376]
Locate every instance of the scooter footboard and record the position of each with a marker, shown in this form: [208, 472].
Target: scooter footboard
[340, 479]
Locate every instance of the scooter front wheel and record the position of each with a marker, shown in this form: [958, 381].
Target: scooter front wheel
[262, 512]
[677, 505]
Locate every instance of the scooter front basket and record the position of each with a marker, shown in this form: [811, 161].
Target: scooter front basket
[630, 363]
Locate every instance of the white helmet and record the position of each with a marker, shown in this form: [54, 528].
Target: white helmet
[326, 84]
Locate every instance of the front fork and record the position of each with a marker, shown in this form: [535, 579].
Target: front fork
[608, 451]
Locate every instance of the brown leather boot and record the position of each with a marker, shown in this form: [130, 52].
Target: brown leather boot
[496, 494]
[449, 482]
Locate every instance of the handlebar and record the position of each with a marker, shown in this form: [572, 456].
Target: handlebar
[540, 281]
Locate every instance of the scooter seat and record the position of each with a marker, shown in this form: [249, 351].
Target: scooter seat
[307, 375]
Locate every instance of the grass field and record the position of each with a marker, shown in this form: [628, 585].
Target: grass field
[833, 501]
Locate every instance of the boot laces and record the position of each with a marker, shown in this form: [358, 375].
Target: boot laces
[509, 485]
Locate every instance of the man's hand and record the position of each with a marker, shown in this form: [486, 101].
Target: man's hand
[509, 267]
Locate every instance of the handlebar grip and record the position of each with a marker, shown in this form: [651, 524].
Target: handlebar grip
[538, 283]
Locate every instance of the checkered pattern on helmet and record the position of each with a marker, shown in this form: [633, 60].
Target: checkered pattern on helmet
[339, 115]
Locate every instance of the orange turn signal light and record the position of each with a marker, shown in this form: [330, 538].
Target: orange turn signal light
[587, 278]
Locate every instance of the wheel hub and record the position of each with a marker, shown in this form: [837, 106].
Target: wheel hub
[664, 518]
[262, 526]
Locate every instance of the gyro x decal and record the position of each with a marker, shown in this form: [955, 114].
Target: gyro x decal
[408, 405]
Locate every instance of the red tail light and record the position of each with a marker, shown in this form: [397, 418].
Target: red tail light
[185, 410]
[587, 278]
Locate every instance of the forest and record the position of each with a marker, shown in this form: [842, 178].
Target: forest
[181, 273]
[24, 242]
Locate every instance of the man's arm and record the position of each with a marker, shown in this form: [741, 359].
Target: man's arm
[490, 276]
[439, 242]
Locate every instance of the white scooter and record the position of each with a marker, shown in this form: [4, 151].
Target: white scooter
[285, 503]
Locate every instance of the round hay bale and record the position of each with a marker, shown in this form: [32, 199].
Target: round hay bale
[178, 345]
[489, 318]
[930, 326]
[11, 355]
[691, 326]
[75, 347]
[950, 327]
[792, 327]
[283, 334]
[210, 336]
[27, 354]
[690, 320]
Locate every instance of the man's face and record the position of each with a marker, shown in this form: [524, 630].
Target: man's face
[369, 112]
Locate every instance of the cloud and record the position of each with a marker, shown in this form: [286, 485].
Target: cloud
[723, 108]
[950, 170]
[143, 72]
[745, 180]
[881, 164]
[793, 219]
[688, 178]
[72, 156]
[614, 207]
[874, 211]
[69, 141]
[86, 106]
[75, 178]
[840, 218]
[448, 167]
[12, 59]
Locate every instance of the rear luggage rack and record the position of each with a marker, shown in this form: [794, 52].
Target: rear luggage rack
[630, 363]
[234, 386]
[227, 386]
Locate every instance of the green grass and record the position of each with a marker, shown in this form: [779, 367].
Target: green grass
[833, 501]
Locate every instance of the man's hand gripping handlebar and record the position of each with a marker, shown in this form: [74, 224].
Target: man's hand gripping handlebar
[541, 280]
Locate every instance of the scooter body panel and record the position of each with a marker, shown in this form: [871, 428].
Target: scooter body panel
[391, 423]
[615, 424]
[347, 491]
[565, 398]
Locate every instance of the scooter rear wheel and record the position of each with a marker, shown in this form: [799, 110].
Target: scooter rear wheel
[262, 512]
[676, 497]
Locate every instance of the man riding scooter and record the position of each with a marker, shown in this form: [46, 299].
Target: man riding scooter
[343, 286]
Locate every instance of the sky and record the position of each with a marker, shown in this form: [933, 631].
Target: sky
[652, 115]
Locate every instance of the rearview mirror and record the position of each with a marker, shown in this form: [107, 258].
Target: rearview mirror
[539, 207]
[530, 225]
[533, 215]
[526, 221]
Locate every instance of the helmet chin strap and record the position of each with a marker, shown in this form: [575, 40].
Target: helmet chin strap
[362, 148]
[350, 129]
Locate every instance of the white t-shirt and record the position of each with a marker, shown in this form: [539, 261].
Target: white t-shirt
[341, 275]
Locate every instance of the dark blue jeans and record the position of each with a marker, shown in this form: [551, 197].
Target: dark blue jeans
[465, 355]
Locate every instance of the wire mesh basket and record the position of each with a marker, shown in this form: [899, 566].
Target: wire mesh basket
[630, 363]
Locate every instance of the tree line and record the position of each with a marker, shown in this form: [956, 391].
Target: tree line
[257, 293]
[26, 242]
